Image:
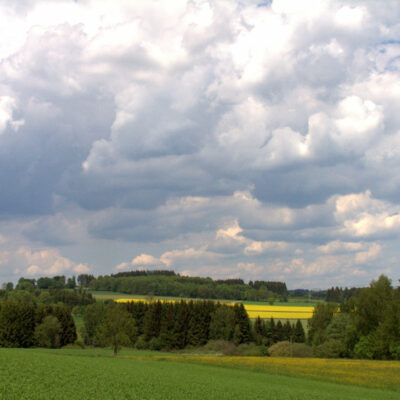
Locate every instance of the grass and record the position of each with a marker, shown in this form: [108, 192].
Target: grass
[91, 374]
[107, 295]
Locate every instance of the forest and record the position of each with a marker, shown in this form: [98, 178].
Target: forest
[366, 324]
[164, 283]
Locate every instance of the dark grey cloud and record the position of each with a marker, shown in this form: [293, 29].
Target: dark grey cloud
[157, 125]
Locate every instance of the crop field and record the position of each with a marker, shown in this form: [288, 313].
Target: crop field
[255, 310]
[91, 374]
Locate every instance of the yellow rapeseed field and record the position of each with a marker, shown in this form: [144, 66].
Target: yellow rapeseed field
[262, 311]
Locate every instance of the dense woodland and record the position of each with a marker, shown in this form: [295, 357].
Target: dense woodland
[165, 283]
[360, 323]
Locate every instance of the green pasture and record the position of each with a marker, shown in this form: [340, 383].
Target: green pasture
[106, 295]
[38, 374]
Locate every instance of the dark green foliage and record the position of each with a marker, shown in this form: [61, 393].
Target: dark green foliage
[242, 332]
[68, 329]
[152, 321]
[368, 325]
[331, 348]
[26, 284]
[8, 286]
[339, 295]
[48, 333]
[17, 323]
[260, 331]
[85, 279]
[71, 283]
[167, 339]
[322, 316]
[168, 283]
[77, 297]
[222, 323]
[93, 316]
[57, 282]
[299, 335]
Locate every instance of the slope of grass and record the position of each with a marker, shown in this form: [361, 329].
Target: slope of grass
[106, 295]
[59, 374]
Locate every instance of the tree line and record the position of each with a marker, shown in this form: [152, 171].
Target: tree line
[367, 326]
[174, 285]
[177, 325]
[26, 323]
[162, 283]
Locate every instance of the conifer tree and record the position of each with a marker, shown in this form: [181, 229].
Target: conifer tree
[181, 325]
[286, 331]
[299, 335]
[167, 326]
[260, 330]
[243, 333]
[152, 321]
[278, 332]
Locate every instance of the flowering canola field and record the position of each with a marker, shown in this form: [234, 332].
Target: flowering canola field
[262, 311]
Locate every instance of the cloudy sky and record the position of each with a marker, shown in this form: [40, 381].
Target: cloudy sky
[217, 138]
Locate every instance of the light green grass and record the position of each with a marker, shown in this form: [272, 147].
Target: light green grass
[85, 374]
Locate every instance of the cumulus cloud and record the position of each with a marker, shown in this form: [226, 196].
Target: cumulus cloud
[211, 133]
[25, 261]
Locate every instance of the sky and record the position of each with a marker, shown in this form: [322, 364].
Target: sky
[226, 138]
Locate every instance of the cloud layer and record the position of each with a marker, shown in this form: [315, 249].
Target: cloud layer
[223, 138]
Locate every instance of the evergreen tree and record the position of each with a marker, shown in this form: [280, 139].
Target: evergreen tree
[278, 332]
[152, 321]
[260, 330]
[286, 331]
[222, 323]
[299, 335]
[167, 326]
[243, 333]
[181, 324]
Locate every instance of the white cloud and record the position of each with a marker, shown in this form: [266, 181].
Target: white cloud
[7, 105]
[205, 134]
[48, 261]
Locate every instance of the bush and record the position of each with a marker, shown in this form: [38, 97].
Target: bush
[332, 348]
[280, 349]
[141, 344]
[252, 350]
[155, 344]
[302, 350]
[283, 349]
[79, 343]
[221, 346]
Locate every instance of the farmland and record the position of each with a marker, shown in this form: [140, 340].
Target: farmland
[91, 374]
[253, 310]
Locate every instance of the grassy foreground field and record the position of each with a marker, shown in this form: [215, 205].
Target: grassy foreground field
[91, 374]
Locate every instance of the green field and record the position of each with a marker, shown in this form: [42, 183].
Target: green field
[106, 295]
[91, 374]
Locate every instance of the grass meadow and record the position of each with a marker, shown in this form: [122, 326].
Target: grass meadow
[107, 295]
[95, 374]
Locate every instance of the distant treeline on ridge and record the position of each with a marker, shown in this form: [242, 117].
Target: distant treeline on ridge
[169, 283]
[165, 283]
